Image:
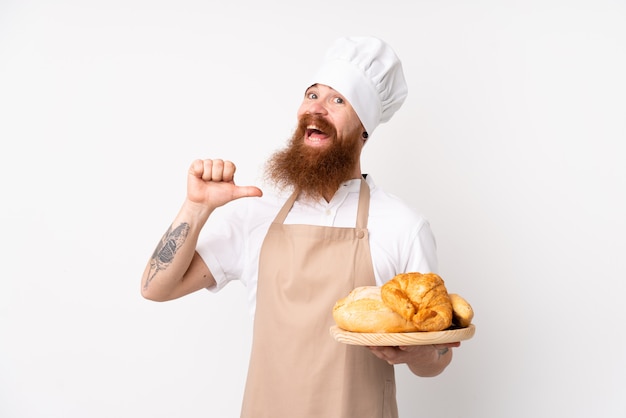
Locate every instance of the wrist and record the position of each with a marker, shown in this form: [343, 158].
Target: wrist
[195, 211]
[434, 363]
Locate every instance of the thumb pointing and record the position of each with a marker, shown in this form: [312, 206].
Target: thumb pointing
[247, 191]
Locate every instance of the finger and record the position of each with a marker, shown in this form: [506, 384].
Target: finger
[448, 345]
[207, 168]
[435, 346]
[385, 353]
[196, 168]
[217, 171]
[378, 352]
[247, 191]
[228, 171]
[407, 348]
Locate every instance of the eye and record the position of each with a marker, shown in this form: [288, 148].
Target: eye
[339, 100]
[311, 96]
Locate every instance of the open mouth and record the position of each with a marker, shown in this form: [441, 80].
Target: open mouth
[315, 134]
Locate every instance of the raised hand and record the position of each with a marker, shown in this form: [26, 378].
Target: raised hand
[211, 183]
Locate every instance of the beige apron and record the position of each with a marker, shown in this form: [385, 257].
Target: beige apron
[297, 370]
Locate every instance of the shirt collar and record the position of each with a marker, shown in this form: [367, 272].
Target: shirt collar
[350, 186]
[346, 188]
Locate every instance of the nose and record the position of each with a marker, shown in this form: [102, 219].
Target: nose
[315, 108]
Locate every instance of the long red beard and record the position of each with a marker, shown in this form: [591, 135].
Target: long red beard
[315, 172]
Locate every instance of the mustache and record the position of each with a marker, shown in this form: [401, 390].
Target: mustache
[320, 122]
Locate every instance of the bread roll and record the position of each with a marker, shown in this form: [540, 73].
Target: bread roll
[363, 310]
[462, 312]
[419, 298]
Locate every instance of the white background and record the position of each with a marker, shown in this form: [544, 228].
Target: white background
[510, 142]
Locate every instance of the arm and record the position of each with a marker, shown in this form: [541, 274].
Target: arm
[175, 269]
[422, 360]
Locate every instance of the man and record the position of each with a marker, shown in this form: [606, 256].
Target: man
[298, 256]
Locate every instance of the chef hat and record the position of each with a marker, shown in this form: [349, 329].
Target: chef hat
[367, 72]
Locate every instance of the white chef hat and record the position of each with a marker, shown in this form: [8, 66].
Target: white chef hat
[368, 73]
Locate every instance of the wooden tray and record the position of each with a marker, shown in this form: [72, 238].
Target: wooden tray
[402, 338]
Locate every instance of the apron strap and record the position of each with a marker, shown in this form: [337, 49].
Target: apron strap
[282, 214]
[364, 206]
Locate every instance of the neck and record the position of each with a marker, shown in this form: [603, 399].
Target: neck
[355, 176]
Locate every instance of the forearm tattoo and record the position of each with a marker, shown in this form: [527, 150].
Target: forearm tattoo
[442, 351]
[164, 253]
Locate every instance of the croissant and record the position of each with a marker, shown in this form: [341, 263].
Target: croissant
[420, 298]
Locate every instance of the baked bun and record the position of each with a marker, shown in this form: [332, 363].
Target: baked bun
[363, 310]
[419, 298]
[462, 312]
